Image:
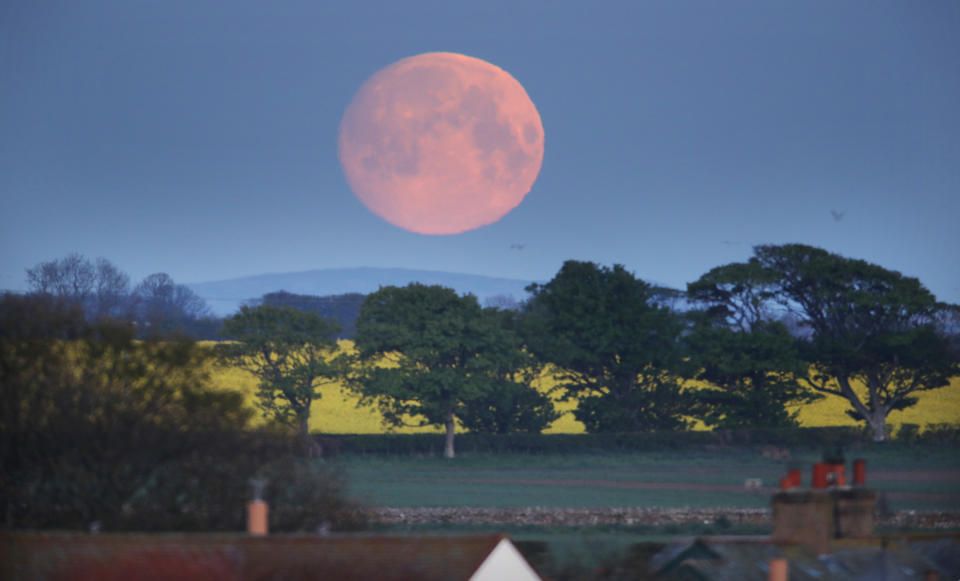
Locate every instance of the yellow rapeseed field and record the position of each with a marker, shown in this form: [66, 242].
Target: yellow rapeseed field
[338, 412]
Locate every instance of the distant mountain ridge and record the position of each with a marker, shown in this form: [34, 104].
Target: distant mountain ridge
[226, 296]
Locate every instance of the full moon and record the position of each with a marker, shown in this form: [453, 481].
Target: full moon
[441, 143]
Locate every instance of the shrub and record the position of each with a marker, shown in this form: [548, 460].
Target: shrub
[942, 433]
[614, 442]
[908, 433]
[98, 428]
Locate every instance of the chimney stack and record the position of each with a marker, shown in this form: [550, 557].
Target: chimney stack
[829, 510]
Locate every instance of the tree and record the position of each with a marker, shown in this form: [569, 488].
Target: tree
[423, 351]
[89, 416]
[163, 306]
[111, 291]
[618, 353]
[502, 302]
[343, 309]
[97, 426]
[291, 352]
[754, 374]
[509, 403]
[740, 294]
[869, 325]
[71, 276]
[99, 288]
[751, 359]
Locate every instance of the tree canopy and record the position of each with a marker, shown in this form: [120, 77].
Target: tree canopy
[292, 354]
[509, 403]
[791, 324]
[867, 325]
[750, 359]
[426, 352]
[343, 308]
[618, 353]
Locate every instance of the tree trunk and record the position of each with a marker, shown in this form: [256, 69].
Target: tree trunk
[876, 419]
[311, 448]
[451, 426]
[878, 423]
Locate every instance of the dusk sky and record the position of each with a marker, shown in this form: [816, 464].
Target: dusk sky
[200, 138]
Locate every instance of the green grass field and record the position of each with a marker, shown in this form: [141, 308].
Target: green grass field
[646, 480]
[914, 478]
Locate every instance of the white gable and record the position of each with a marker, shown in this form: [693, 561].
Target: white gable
[505, 563]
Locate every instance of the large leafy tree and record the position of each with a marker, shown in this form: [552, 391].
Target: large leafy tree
[750, 359]
[616, 351]
[425, 354]
[868, 325]
[291, 352]
[509, 403]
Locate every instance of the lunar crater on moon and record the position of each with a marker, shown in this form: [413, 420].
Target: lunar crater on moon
[441, 143]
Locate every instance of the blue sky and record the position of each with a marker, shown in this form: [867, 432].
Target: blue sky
[199, 138]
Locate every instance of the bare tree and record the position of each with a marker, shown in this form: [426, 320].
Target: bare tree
[112, 292]
[100, 287]
[163, 305]
[70, 277]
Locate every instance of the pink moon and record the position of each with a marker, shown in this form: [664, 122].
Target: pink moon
[441, 143]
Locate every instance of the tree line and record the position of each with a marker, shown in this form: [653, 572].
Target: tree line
[792, 324]
[156, 305]
[789, 326]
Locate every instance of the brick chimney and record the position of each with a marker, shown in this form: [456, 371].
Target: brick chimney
[815, 517]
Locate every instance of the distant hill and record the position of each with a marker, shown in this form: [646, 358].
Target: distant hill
[226, 296]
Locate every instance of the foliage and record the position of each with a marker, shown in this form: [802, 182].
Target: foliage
[162, 306]
[600, 443]
[344, 309]
[507, 407]
[750, 360]
[424, 351]
[617, 352]
[64, 379]
[869, 324]
[291, 353]
[340, 413]
[509, 403]
[753, 375]
[740, 294]
[96, 427]
[944, 434]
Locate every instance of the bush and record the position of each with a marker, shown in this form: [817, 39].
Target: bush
[946, 434]
[208, 489]
[96, 427]
[908, 433]
[185, 481]
[614, 442]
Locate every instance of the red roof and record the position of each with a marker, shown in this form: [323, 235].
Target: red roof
[141, 557]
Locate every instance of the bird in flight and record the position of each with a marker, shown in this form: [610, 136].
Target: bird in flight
[837, 216]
